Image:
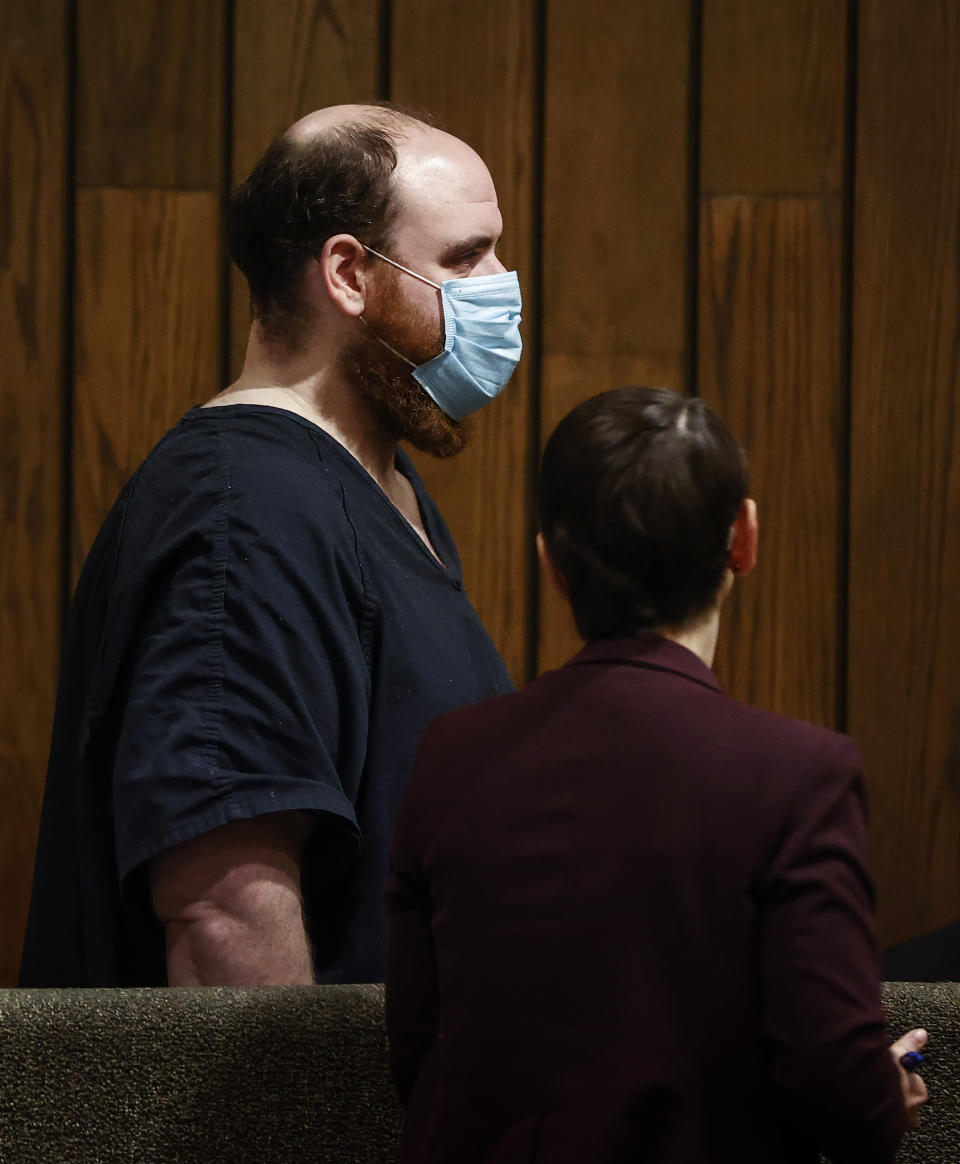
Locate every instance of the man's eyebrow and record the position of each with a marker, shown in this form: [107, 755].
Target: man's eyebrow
[479, 242]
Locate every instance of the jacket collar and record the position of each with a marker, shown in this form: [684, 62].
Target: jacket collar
[650, 651]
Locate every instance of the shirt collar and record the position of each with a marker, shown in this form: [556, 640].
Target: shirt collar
[649, 650]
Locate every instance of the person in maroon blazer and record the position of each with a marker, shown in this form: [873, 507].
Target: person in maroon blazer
[630, 917]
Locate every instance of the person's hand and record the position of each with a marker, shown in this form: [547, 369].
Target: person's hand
[914, 1089]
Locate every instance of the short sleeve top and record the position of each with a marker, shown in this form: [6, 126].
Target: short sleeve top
[256, 629]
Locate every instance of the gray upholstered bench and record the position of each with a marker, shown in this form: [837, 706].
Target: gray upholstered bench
[274, 1076]
[936, 1006]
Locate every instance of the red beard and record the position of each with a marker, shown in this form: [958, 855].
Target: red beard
[399, 403]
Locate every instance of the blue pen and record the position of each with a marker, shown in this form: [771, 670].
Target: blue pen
[911, 1061]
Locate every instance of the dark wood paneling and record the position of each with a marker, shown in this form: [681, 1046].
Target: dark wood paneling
[288, 60]
[150, 100]
[770, 363]
[147, 336]
[614, 215]
[773, 85]
[904, 678]
[472, 67]
[33, 78]
[770, 329]
[277, 78]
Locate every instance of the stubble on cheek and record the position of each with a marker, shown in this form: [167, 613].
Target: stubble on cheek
[400, 404]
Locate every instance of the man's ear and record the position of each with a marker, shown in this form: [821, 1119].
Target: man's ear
[549, 567]
[743, 539]
[341, 266]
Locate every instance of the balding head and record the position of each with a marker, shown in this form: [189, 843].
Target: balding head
[393, 121]
[329, 173]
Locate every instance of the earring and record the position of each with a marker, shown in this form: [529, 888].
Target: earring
[734, 568]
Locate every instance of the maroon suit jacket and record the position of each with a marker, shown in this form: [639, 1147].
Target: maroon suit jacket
[630, 920]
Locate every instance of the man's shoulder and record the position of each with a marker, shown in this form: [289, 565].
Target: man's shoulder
[256, 483]
[254, 441]
[263, 462]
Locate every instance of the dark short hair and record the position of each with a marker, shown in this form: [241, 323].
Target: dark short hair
[302, 192]
[638, 490]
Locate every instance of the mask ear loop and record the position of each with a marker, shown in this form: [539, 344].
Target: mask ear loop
[406, 270]
[399, 355]
[401, 267]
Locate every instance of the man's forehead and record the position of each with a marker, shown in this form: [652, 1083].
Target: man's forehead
[440, 180]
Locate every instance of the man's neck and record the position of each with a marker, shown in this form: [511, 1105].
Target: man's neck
[312, 385]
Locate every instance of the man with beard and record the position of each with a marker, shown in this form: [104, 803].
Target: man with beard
[274, 609]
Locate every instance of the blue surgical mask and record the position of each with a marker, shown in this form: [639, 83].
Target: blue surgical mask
[481, 322]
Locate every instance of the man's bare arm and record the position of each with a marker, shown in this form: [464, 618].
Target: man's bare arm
[230, 903]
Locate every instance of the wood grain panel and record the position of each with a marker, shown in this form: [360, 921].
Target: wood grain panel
[146, 339]
[773, 96]
[150, 93]
[33, 70]
[277, 78]
[472, 67]
[615, 212]
[904, 678]
[276, 75]
[770, 363]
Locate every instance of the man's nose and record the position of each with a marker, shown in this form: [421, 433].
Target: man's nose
[491, 265]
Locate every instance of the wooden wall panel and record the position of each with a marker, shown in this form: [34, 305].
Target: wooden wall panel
[904, 678]
[151, 80]
[615, 211]
[277, 79]
[770, 330]
[147, 333]
[770, 350]
[33, 97]
[773, 82]
[473, 69]
[150, 93]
